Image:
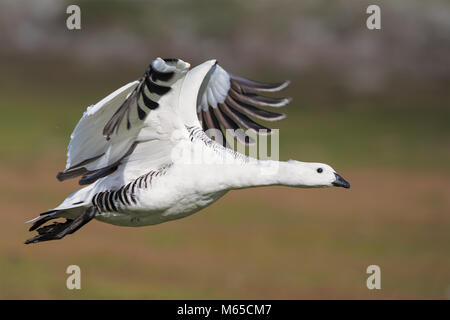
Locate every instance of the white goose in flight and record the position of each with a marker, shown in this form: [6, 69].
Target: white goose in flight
[131, 149]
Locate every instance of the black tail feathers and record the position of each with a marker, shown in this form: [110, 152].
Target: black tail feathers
[58, 230]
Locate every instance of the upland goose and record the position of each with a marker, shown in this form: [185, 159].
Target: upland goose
[145, 158]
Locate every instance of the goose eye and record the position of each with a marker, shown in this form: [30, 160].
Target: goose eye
[319, 170]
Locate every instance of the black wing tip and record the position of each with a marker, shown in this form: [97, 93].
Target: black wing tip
[59, 230]
[60, 176]
[43, 218]
[65, 175]
[281, 116]
[256, 86]
[288, 100]
[285, 84]
[257, 100]
[278, 86]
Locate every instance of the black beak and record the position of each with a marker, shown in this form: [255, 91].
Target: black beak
[340, 182]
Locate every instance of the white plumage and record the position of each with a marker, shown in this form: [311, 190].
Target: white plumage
[145, 159]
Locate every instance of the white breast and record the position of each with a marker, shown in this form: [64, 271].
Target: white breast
[183, 190]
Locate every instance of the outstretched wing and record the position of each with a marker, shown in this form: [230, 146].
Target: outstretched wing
[227, 101]
[112, 129]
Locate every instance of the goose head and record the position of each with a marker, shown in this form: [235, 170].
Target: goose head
[314, 174]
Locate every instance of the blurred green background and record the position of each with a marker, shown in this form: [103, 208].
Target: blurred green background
[373, 104]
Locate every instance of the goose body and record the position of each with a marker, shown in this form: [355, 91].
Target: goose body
[145, 158]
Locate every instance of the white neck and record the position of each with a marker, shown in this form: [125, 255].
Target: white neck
[259, 173]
